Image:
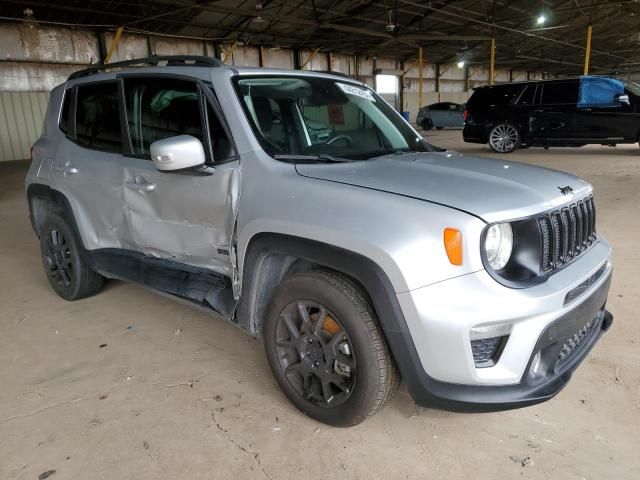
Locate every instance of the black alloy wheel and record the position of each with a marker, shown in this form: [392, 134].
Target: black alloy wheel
[315, 354]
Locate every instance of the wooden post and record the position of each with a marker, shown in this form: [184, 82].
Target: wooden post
[420, 105]
[492, 66]
[466, 76]
[263, 56]
[587, 53]
[114, 44]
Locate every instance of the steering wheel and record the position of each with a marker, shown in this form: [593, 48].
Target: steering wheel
[342, 136]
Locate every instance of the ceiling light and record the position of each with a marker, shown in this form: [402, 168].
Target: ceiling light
[390, 25]
[541, 19]
[29, 20]
[259, 19]
[461, 64]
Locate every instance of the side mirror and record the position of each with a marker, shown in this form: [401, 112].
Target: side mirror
[173, 154]
[622, 99]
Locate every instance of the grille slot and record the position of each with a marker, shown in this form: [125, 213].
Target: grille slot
[566, 233]
[572, 345]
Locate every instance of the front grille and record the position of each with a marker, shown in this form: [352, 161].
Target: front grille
[566, 233]
[572, 344]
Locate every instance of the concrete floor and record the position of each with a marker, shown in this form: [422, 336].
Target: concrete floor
[128, 410]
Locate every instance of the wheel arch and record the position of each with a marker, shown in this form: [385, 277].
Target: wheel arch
[272, 257]
[42, 199]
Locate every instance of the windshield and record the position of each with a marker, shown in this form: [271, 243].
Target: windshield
[295, 115]
[633, 87]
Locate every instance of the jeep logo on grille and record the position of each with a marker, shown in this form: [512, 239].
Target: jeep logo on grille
[566, 190]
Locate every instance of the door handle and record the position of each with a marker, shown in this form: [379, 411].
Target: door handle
[140, 184]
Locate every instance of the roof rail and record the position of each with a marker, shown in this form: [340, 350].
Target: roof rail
[337, 74]
[172, 61]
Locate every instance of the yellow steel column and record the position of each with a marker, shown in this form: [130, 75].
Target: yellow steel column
[587, 53]
[114, 44]
[420, 105]
[492, 66]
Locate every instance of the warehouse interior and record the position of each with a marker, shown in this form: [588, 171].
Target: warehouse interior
[128, 384]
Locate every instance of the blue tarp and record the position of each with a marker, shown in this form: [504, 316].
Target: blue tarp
[599, 91]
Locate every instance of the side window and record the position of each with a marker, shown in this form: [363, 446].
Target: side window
[560, 93]
[507, 94]
[439, 106]
[159, 108]
[98, 117]
[220, 142]
[526, 98]
[66, 122]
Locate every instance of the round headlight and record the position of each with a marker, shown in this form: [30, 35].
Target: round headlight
[498, 244]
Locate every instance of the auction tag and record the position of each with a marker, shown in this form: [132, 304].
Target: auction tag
[357, 91]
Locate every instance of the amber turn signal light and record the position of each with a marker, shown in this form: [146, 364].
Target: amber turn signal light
[453, 245]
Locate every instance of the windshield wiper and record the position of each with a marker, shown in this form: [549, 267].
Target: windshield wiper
[322, 157]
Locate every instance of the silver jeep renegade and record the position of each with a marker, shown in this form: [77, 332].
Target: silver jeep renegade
[300, 206]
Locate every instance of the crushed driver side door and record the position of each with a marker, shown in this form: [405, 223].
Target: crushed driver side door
[185, 217]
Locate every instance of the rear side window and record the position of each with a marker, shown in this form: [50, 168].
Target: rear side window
[66, 120]
[98, 117]
[160, 108]
[560, 93]
[499, 95]
[526, 98]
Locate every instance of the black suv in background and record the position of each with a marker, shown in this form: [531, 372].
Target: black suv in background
[567, 112]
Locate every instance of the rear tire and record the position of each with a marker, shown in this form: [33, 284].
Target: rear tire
[427, 124]
[326, 351]
[504, 138]
[67, 272]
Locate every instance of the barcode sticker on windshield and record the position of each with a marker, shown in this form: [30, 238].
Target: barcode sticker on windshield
[357, 91]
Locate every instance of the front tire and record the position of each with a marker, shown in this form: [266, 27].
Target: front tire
[326, 350]
[504, 138]
[67, 272]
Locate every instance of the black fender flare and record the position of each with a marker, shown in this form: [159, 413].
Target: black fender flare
[55, 200]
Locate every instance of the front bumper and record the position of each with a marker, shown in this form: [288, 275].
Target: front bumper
[440, 317]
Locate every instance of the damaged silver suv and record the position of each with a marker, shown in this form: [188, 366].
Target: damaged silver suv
[300, 206]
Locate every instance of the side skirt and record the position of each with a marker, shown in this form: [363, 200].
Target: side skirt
[196, 285]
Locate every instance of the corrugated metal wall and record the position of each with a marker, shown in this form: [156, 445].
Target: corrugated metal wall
[21, 116]
[33, 61]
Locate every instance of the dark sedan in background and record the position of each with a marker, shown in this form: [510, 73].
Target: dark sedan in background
[440, 115]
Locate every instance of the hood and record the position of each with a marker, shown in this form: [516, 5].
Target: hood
[491, 189]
